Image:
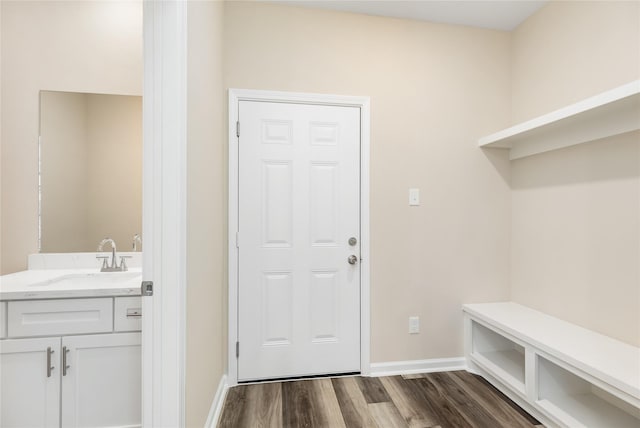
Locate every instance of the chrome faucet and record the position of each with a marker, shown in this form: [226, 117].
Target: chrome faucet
[114, 264]
[137, 239]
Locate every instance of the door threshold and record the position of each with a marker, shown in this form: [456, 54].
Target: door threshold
[296, 378]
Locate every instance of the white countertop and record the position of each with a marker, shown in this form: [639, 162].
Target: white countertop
[69, 283]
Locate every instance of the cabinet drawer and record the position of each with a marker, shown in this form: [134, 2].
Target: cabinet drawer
[56, 317]
[3, 320]
[127, 314]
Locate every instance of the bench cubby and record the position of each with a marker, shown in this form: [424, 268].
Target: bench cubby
[500, 355]
[563, 374]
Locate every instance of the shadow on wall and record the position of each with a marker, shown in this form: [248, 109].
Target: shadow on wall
[609, 159]
[500, 160]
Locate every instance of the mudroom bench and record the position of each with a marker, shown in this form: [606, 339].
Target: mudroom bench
[563, 374]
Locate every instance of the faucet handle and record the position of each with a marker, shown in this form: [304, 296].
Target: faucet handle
[104, 261]
[123, 263]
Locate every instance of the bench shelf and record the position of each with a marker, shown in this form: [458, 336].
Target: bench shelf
[499, 355]
[563, 374]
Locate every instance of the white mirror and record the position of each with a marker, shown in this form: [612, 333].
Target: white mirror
[90, 171]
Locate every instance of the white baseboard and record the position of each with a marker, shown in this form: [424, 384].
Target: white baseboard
[394, 368]
[216, 405]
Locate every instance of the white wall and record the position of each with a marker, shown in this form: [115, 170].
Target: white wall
[54, 45]
[576, 211]
[434, 90]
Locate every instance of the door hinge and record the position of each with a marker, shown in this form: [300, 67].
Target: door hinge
[237, 349]
[237, 239]
[146, 289]
[238, 129]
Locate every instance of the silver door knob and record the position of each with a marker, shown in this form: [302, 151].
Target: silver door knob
[352, 259]
[353, 241]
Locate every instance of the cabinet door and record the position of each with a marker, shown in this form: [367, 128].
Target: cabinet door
[101, 385]
[29, 392]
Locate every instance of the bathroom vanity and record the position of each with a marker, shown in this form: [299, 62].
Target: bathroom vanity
[70, 348]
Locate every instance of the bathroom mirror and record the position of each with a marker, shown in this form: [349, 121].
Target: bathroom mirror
[90, 171]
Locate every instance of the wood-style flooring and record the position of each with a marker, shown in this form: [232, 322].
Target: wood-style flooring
[442, 400]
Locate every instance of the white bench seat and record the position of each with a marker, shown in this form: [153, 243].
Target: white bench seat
[563, 373]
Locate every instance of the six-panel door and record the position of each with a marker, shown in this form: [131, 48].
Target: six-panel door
[299, 193]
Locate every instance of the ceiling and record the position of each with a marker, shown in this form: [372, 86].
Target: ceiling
[494, 14]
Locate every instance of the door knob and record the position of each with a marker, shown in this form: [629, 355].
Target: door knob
[352, 259]
[353, 241]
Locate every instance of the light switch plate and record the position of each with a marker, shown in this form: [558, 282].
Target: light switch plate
[414, 325]
[414, 197]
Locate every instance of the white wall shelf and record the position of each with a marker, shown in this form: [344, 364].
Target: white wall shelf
[604, 115]
[563, 374]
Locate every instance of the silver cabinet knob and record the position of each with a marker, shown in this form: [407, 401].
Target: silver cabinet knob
[352, 259]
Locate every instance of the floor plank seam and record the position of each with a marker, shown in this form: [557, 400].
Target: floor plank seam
[432, 400]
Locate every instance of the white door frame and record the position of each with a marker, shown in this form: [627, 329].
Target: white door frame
[237, 95]
[164, 213]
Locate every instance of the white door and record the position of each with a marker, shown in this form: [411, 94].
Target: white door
[30, 383]
[299, 224]
[101, 385]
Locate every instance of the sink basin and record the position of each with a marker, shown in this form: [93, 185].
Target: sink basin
[90, 280]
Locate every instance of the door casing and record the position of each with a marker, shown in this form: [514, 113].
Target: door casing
[237, 95]
[164, 224]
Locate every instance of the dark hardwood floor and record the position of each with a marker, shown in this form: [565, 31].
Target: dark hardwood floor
[434, 400]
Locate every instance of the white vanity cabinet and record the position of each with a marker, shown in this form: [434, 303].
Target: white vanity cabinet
[84, 373]
[101, 385]
[29, 391]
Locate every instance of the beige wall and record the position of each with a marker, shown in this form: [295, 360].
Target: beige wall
[571, 50]
[576, 211]
[434, 90]
[206, 210]
[1, 149]
[65, 46]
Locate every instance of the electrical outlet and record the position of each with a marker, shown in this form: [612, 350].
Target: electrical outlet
[414, 325]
